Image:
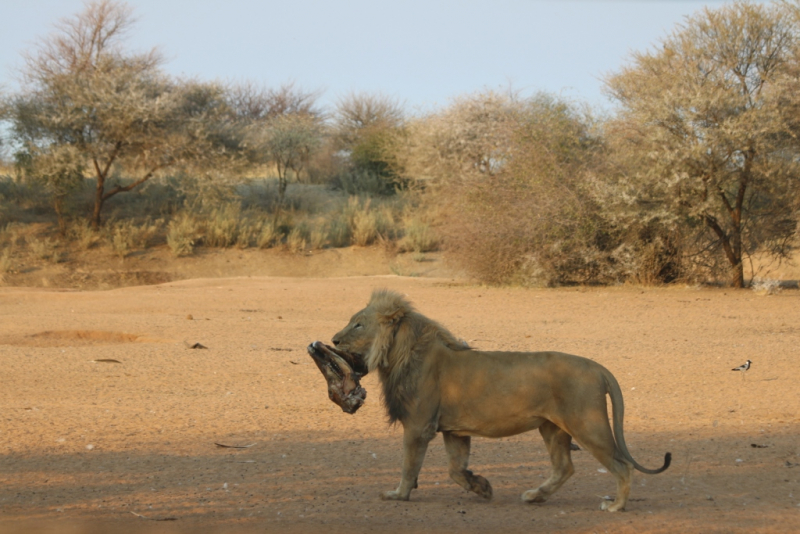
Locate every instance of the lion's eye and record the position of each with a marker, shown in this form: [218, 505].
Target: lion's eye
[358, 325]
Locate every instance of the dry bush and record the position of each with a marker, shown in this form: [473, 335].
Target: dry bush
[521, 210]
[6, 263]
[318, 237]
[418, 236]
[365, 228]
[44, 249]
[221, 226]
[81, 233]
[128, 236]
[182, 234]
[296, 240]
[367, 222]
[339, 231]
[269, 235]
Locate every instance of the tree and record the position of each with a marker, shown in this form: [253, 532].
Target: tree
[288, 142]
[59, 168]
[282, 128]
[701, 115]
[516, 190]
[367, 129]
[116, 109]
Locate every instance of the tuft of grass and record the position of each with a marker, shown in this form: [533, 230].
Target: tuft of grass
[181, 235]
[248, 233]
[269, 235]
[83, 235]
[339, 233]
[6, 264]
[128, 236]
[296, 241]
[44, 249]
[222, 226]
[318, 237]
[366, 223]
[419, 237]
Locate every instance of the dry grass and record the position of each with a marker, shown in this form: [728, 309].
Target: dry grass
[6, 262]
[296, 241]
[128, 236]
[181, 235]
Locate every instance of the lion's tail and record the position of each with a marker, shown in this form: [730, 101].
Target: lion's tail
[617, 413]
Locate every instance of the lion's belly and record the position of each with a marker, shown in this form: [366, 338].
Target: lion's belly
[491, 428]
[503, 394]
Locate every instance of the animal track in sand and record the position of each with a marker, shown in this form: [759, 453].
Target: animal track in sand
[71, 338]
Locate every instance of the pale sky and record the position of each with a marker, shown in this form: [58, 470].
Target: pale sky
[421, 52]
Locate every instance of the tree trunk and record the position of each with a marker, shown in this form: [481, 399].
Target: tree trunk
[737, 281]
[282, 182]
[99, 199]
[58, 204]
[732, 245]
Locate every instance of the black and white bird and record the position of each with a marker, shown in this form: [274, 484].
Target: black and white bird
[744, 367]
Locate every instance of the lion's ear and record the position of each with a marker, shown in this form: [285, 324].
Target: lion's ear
[393, 317]
[378, 355]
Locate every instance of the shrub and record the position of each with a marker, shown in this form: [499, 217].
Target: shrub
[221, 226]
[418, 236]
[44, 249]
[128, 236]
[339, 234]
[296, 241]
[6, 264]
[82, 234]
[181, 235]
[269, 235]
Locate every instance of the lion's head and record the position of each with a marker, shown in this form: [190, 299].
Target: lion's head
[392, 337]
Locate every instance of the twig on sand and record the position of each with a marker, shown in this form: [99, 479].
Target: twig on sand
[224, 446]
[155, 518]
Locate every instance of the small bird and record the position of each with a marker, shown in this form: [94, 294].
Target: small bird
[744, 367]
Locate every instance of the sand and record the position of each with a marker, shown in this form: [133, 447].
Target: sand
[110, 422]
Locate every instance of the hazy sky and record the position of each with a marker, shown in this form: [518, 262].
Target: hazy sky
[422, 52]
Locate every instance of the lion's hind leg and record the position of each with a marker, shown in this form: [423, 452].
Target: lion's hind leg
[557, 442]
[457, 448]
[596, 436]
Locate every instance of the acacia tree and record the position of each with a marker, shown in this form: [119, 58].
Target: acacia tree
[367, 129]
[282, 128]
[116, 109]
[701, 115]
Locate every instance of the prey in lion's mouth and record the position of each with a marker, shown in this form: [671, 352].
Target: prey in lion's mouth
[342, 371]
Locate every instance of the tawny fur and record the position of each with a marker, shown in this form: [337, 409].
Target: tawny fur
[432, 383]
[404, 336]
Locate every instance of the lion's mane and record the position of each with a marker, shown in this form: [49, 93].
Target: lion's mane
[404, 339]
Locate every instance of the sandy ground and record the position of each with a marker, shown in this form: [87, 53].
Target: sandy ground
[110, 422]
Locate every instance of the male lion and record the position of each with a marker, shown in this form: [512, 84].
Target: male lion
[433, 382]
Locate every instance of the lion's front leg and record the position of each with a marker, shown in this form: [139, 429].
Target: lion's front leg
[415, 445]
[457, 448]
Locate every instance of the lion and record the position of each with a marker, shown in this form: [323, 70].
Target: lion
[432, 382]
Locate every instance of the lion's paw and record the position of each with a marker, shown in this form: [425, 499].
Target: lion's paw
[393, 496]
[533, 496]
[481, 486]
[612, 506]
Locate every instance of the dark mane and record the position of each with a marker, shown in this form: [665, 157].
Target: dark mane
[406, 337]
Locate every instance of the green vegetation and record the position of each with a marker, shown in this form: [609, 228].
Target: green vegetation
[692, 177]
